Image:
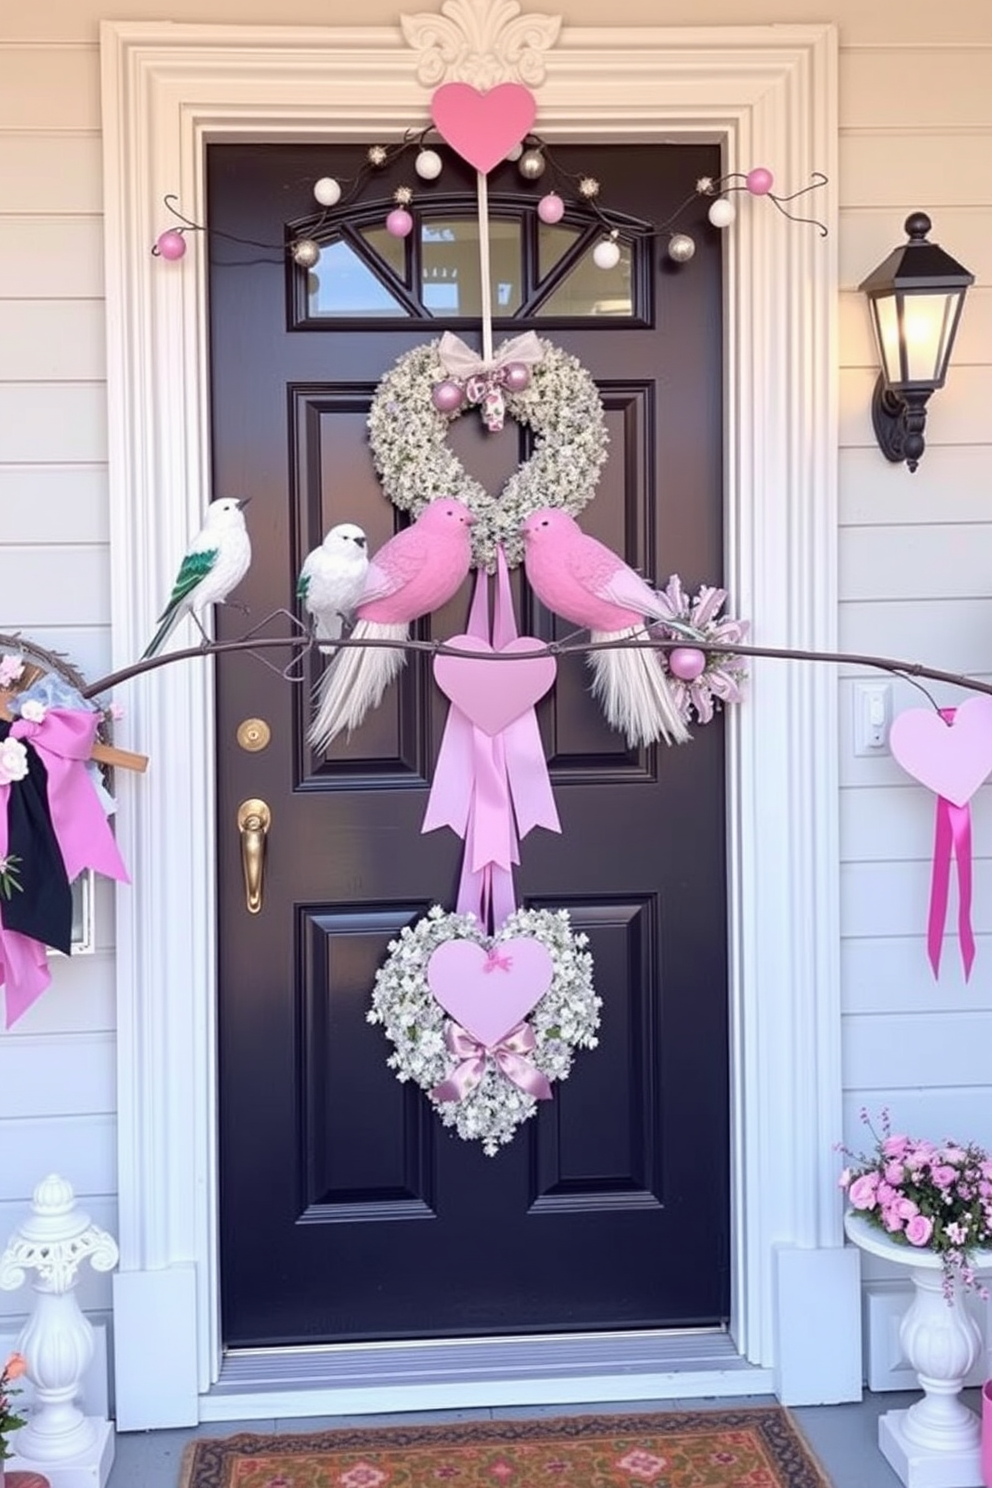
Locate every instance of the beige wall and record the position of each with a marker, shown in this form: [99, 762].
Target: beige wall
[916, 551]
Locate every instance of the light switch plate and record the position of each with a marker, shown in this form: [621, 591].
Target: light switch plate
[872, 717]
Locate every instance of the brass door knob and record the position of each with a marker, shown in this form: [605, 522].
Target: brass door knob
[254, 821]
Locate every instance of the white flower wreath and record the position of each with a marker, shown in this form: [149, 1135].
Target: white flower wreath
[566, 1018]
[408, 437]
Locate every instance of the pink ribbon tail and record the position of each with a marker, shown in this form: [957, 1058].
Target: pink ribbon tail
[23, 961]
[952, 840]
[64, 741]
[509, 1055]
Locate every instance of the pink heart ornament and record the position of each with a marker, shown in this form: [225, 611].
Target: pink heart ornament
[483, 127]
[490, 996]
[492, 694]
[952, 759]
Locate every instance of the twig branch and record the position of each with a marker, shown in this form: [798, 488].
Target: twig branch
[300, 645]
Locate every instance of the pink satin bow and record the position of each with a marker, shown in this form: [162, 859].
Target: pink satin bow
[484, 381]
[509, 1054]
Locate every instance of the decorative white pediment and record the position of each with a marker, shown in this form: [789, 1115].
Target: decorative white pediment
[482, 42]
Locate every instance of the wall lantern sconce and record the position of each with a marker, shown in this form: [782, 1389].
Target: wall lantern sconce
[915, 298]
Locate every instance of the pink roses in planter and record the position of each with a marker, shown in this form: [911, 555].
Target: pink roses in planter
[936, 1196]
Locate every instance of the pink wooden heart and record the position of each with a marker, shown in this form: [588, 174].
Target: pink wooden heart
[483, 127]
[951, 759]
[490, 991]
[493, 693]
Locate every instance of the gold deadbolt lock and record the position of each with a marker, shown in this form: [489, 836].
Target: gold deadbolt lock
[253, 734]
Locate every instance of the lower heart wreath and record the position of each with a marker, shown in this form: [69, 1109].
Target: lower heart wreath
[485, 1024]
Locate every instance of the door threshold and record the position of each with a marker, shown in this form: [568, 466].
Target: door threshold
[568, 1369]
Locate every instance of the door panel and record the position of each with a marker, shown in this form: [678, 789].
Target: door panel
[347, 1211]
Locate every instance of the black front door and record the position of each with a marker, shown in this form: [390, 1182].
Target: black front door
[347, 1211]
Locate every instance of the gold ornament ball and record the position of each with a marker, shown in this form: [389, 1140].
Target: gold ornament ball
[531, 165]
[306, 253]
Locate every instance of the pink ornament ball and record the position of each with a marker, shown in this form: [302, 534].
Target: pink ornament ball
[759, 181]
[447, 396]
[171, 244]
[686, 663]
[517, 376]
[399, 223]
[551, 208]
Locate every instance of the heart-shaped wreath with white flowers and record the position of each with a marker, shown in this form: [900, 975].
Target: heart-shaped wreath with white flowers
[484, 1024]
[560, 403]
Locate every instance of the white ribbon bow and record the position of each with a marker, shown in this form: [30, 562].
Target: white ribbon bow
[460, 361]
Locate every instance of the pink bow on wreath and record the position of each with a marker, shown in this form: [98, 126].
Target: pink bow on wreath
[485, 383]
[510, 1055]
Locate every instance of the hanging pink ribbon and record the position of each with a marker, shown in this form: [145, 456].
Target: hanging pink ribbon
[23, 961]
[952, 841]
[491, 788]
[64, 741]
[510, 1055]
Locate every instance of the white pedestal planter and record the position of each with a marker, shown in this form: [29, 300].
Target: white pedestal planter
[70, 1449]
[936, 1443]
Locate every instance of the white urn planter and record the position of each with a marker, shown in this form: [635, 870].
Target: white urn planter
[936, 1443]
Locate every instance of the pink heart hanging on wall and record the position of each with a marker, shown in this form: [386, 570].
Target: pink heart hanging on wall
[489, 992]
[492, 694]
[483, 127]
[952, 759]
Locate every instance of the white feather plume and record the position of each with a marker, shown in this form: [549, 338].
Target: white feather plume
[631, 686]
[356, 681]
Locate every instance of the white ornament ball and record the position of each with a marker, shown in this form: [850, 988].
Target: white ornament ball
[327, 191]
[306, 252]
[722, 212]
[681, 247]
[515, 153]
[428, 165]
[606, 255]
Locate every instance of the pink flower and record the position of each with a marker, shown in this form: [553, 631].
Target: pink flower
[905, 1208]
[844, 1178]
[641, 1464]
[919, 1229]
[895, 1146]
[943, 1176]
[892, 1219]
[863, 1191]
[894, 1172]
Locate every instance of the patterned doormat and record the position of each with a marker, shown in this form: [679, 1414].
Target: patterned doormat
[757, 1447]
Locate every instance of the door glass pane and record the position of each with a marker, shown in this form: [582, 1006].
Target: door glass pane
[391, 250]
[451, 283]
[589, 290]
[340, 284]
[552, 243]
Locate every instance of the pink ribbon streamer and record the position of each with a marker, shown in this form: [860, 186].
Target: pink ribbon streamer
[491, 791]
[64, 741]
[952, 839]
[510, 1055]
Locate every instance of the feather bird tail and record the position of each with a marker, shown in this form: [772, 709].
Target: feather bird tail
[169, 622]
[631, 685]
[356, 681]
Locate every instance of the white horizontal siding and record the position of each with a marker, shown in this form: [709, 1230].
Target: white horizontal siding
[70, 99]
[868, 234]
[903, 1050]
[921, 167]
[53, 504]
[52, 341]
[930, 1110]
[53, 423]
[930, 562]
[891, 898]
[56, 1074]
[81, 1148]
[952, 488]
[904, 87]
[893, 823]
[56, 586]
[892, 975]
[43, 171]
[50, 257]
[81, 996]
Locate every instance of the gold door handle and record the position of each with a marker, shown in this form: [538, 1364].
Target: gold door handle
[254, 821]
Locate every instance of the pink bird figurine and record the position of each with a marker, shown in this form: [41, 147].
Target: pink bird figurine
[585, 582]
[413, 574]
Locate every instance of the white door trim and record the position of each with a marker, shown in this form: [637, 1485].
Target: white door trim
[768, 94]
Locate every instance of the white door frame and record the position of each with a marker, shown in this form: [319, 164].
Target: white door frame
[768, 95]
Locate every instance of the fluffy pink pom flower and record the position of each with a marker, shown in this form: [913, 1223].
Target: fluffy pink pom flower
[919, 1229]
